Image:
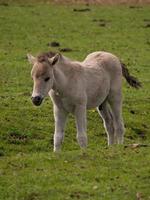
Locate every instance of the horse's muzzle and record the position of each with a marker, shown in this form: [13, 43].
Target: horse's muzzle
[37, 100]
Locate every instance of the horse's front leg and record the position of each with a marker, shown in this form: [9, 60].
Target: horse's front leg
[60, 116]
[80, 115]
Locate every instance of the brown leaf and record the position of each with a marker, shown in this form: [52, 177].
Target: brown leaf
[136, 145]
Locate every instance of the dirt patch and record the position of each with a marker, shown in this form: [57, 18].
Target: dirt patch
[146, 20]
[101, 22]
[54, 44]
[81, 10]
[65, 50]
[147, 25]
[15, 137]
[132, 112]
[4, 4]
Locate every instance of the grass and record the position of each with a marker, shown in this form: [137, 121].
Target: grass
[29, 170]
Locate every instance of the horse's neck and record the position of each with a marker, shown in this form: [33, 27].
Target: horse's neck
[62, 74]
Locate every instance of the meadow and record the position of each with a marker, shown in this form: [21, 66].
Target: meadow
[29, 170]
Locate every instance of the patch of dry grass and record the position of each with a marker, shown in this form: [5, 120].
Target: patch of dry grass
[86, 2]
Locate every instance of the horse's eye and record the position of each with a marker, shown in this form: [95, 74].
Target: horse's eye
[46, 79]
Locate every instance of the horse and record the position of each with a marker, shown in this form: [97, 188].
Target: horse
[75, 86]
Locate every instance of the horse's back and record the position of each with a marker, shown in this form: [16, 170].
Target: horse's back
[106, 61]
[100, 57]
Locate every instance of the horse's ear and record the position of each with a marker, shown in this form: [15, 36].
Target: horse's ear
[54, 59]
[31, 59]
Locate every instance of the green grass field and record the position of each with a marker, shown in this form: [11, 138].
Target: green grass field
[29, 170]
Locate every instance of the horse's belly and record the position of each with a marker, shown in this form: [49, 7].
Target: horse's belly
[97, 97]
[97, 87]
[96, 102]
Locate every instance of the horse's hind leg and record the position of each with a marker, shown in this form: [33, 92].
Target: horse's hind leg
[115, 101]
[106, 114]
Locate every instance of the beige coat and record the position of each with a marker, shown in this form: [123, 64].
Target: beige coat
[76, 86]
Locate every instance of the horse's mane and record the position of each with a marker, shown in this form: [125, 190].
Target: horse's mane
[44, 56]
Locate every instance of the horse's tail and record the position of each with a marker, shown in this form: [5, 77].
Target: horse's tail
[133, 81]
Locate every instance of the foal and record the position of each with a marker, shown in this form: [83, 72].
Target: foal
[75, 87]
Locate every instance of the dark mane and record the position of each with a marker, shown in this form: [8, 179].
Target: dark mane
[44, 56]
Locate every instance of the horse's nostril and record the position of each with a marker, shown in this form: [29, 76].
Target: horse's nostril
[37, 100]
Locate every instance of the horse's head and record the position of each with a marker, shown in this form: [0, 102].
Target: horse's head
[42, 75]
